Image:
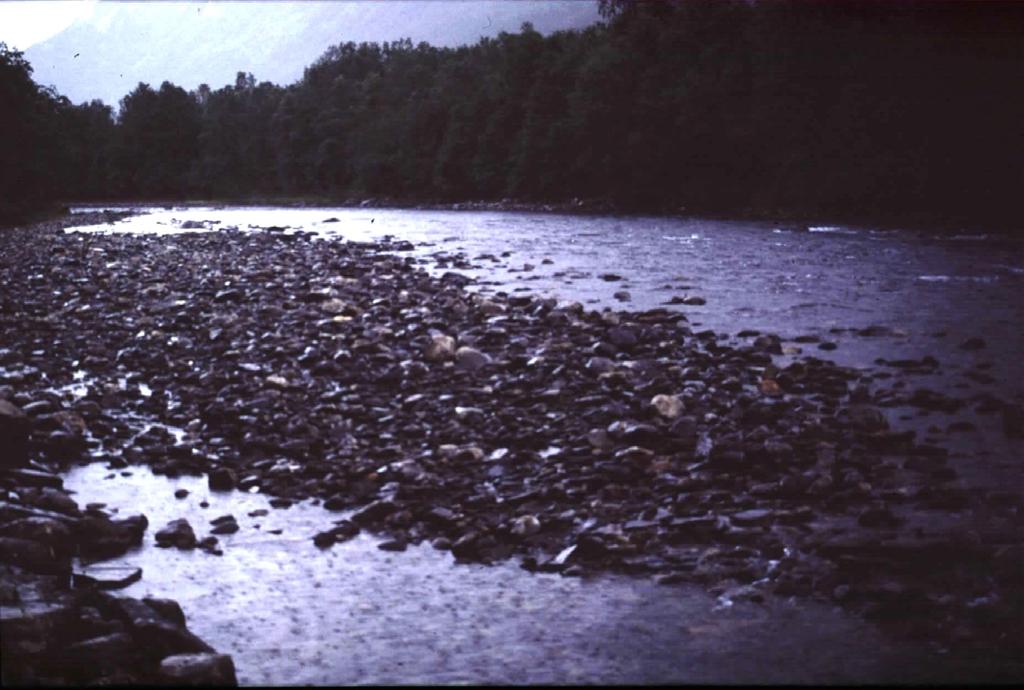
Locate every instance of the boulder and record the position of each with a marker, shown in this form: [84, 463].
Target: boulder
[14, 430]
[101, 537]
[160, 639]
[35, 478]
[54, 500]
[222, 479]
[33, 556]
[105, 577]
[168, 609]
[99, 656]
[198, 669]
[177, 533]
[50, 532]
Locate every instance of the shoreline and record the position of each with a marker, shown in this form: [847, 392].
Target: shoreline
[595, 463]
[60, 624]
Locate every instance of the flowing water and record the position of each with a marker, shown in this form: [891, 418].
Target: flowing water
[293, 614]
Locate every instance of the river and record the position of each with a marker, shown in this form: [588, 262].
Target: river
[931, 291]
[291, 614]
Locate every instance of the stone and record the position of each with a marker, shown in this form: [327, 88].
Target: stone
[441, 348]
[336, 306]
[525, 525]
[177, 533]
[374, 513]
[168, 609]
[599, 439]
[226, 525]
[471, 359]
[600, 365]
[53, 533]
[105, 577]
[14, 431]
[757, 516]
[623, 337]
[33, 556]
[52, 499]
[668, 406]
[867, 418]
[160, 638]
[101, 537]
[34, 478]
[99, 656]
[222, 479]
[344, 531]
[192, 670]
[280, 382]
[466, 547]
[393, 545]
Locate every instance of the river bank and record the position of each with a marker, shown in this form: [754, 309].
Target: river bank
[506, 426]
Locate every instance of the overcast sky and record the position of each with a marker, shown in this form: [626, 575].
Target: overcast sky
[23, 24]
[89, 49]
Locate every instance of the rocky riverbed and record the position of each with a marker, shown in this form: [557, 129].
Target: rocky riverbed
[502, 427]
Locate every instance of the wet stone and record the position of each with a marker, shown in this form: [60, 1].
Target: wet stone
[204, 669]
[753, 517]
[177, 533]
[471, 359]
[222, 479]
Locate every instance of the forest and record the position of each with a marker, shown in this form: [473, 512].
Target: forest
[889, 113]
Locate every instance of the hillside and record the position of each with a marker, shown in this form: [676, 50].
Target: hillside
[105, 55]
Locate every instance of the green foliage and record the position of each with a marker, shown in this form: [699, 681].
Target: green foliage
[905, 111]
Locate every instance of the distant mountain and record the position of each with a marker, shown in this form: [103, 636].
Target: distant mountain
[106, 54]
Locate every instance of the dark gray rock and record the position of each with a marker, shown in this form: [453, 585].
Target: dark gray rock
[177, 533]
[222, 479]
[14, 431]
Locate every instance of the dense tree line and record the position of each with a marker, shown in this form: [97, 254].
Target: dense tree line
[898, 112]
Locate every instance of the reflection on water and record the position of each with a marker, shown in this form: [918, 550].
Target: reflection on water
[293, 614]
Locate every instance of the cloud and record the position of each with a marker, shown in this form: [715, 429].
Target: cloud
[26, 23]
